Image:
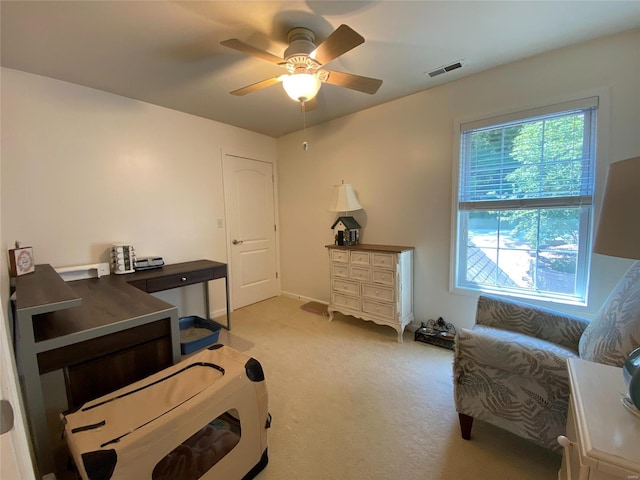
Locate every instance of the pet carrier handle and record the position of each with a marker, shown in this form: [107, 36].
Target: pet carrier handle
[192, 365]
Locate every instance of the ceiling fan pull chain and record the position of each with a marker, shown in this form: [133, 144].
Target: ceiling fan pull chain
[305, 144]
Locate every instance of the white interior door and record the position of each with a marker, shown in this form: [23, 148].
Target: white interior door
[249, 209]
[15, 458]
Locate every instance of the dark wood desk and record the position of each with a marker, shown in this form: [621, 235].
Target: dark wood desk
[104, 333]
[180, 275]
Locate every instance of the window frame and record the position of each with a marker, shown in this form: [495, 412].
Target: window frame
[457, 282]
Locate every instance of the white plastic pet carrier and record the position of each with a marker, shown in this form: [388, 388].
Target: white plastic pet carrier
[203, 418]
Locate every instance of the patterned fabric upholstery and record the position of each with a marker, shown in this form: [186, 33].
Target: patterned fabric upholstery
[615, 330]
[516, 354]
[514, 381]
[510, 369]
[537, 322]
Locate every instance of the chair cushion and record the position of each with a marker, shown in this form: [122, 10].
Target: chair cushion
[615, 331]
[515, 353]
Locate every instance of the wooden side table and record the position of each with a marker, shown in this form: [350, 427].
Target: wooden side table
[603, 437]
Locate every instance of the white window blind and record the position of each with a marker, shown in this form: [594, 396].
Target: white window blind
[551, 165]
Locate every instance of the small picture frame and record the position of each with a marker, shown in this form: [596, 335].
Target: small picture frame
[21, 261]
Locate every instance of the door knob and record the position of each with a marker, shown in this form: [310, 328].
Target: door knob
[237, 242]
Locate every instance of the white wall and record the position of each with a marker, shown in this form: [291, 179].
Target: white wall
[399, 158]
[82, 169]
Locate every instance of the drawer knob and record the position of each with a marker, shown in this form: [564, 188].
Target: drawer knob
[564, 441]
[184, 279]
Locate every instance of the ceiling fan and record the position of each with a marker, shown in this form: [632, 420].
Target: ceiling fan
[304, 62]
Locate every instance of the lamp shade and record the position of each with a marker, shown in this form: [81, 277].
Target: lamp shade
[618, 231]
[301, 87]
[344, 199]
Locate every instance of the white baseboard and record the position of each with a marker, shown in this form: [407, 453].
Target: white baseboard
[302, 297]
[221, 312]
[412, 327]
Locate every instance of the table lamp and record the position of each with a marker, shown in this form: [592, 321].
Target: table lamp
[345, 200]
[618, 235]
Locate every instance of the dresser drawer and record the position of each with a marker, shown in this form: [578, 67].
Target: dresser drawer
[178, 280]
[360, 258]
[345, 287]
[380, 309]
[360, 273]
[378, 293]
[345, 301]
[340, 270]
[384, 277]
[387, 260]
[341, 256]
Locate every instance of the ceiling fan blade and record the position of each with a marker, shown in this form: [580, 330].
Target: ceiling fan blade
[309, 105]
[249, 50]
[256, 86]
[354, 82]
[343, 39]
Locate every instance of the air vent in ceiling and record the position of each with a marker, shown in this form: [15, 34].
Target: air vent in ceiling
[448, 68]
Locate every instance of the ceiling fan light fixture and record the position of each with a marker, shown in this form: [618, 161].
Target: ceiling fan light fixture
[304, 63]
[301, 87]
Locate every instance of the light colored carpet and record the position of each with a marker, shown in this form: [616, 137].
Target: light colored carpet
[350, 403]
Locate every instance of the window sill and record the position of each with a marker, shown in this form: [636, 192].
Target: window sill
[470, 291]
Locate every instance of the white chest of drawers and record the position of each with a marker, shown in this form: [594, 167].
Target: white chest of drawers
[603, 438]
[372, 282]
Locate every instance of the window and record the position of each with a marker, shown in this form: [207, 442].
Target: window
[525, 203]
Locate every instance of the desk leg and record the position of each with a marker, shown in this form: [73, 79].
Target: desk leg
[226, 287]
[207, 310]
[175, 336]
[32, 388]
[206, 303]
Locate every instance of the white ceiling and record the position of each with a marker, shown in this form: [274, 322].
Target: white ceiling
[168, 53]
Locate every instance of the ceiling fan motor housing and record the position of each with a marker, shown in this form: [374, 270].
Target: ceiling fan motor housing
[300, 43]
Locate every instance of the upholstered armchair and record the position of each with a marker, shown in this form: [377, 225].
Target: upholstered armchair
[510, 369]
